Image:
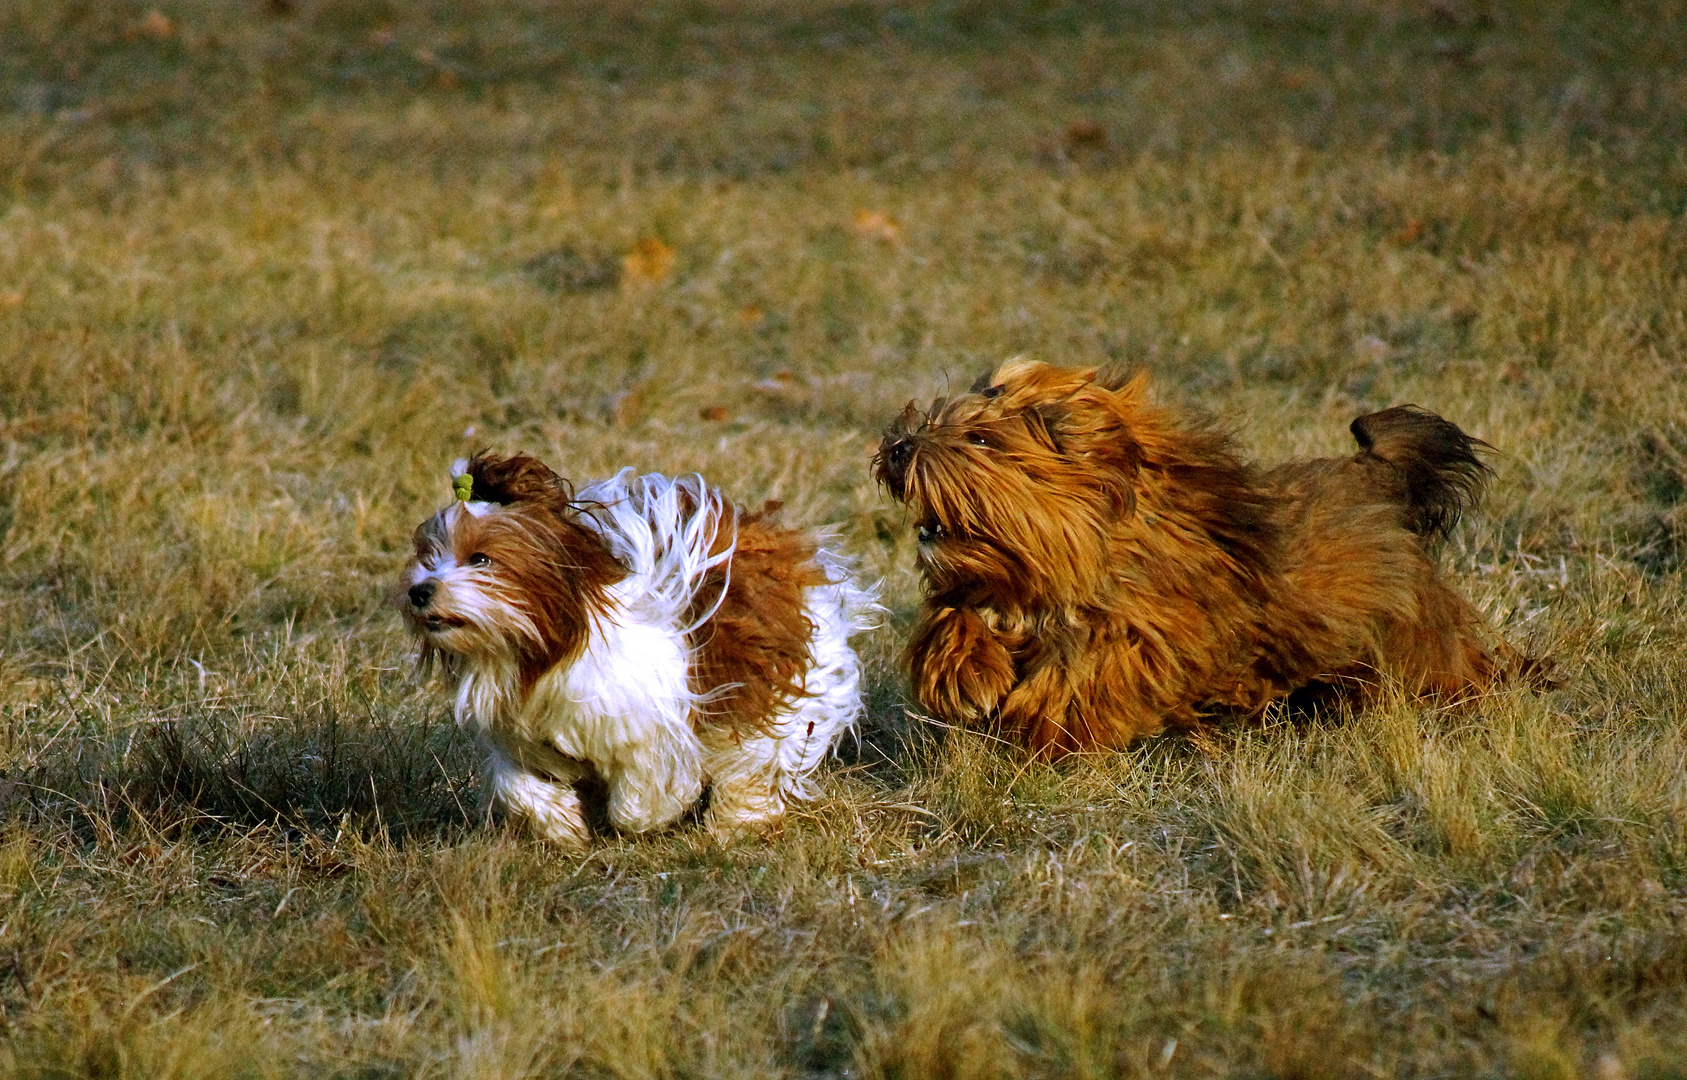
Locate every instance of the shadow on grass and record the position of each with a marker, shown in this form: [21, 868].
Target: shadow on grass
[892, 738]
[333, 768]
[316, 774]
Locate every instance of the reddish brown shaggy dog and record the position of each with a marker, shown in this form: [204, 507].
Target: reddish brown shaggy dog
[1098, 568]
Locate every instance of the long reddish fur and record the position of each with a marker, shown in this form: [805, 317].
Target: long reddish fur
[752, 654]
[1098, 568]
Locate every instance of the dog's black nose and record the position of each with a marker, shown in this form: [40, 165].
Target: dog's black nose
[421, 594]
[892, 465]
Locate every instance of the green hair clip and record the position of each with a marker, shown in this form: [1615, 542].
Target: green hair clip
[464, 487]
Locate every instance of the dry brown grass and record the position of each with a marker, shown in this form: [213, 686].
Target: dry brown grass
[265, 269]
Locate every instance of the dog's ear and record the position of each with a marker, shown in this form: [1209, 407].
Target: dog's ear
[1093, 421]
[516, 478]
[1048, 421]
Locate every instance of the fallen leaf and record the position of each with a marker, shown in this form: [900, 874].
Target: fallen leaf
[1085, 135]
[1408, 233]
[751, 315]
[157, 25]
[781, 384]
[878, 225]
[714, 412]
[625, 406]
[650, 262]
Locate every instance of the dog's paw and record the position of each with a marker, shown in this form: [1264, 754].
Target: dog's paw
[567, 832]
[961, 672]
[552, 811]
[729, 825]
[554, 815]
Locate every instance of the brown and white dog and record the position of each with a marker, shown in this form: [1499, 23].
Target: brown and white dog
[1098, 568]
[644, 631]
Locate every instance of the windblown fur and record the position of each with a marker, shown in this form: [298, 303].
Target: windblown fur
[644, 632]
[1098, 568]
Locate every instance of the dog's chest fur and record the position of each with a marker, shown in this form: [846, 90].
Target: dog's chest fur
[631, 679]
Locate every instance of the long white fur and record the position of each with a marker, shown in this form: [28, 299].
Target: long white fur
[626, 705]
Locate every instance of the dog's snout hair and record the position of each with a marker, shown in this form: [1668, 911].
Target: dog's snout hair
[897, 450]
[893, 471]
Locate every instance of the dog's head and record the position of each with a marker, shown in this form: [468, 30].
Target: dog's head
[507, 574]
[1016, 485]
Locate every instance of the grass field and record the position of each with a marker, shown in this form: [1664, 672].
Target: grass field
[266, 268]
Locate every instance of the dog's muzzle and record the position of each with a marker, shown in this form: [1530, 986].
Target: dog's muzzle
[893, 466]
[421, 593]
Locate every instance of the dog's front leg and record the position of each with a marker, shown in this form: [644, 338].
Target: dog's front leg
[1065, 703]
[545, 800]
[1043, 712]
[746, 793]
[960, 671]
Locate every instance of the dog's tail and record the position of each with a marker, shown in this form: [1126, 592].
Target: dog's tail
[1438, 473]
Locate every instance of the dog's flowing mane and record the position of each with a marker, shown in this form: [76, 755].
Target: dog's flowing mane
[1098, 566]
[643, 630]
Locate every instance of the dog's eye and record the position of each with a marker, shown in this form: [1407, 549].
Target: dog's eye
[977, 438]
[479, 559]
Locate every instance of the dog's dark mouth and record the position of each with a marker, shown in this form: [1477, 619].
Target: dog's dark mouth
[435, 624]
[930, 532]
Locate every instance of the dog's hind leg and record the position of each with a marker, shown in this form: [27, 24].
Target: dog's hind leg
[1444, 651]
[746, 793]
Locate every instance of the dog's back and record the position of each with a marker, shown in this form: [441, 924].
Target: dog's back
[1360, 581]
[1421, 466]
[1428, 465]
